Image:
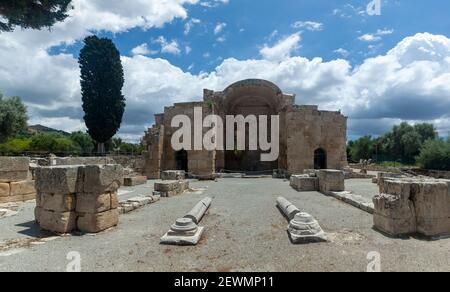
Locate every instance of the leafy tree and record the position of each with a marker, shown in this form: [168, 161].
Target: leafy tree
[56, 143]
[101, 87]
[363, 148]
[84, 141]
[13, 117]
[15, 146]
[435, 154]
[34, 14]
[405, 141]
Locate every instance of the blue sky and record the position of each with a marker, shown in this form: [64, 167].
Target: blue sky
[379, 70]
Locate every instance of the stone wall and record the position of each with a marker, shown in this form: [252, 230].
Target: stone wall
[16, 184]
[78, 197]
[309, 129]
[413, 205]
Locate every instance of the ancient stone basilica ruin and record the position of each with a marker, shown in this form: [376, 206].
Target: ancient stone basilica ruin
[309, 138]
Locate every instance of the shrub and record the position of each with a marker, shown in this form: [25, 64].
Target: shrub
[435, 155]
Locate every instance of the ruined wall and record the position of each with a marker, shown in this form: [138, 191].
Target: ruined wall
[309, 129]
[200, 163]
[16, 184]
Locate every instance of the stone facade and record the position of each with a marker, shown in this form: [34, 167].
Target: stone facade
[16, 184]
[309, 138]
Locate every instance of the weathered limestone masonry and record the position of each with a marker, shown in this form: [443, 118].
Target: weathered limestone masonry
[308, 138]
[324, 180]
[16, 184]
[78, 197]
[131, 181]
[172, 184]
[407, 206]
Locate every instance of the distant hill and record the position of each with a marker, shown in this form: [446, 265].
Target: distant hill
[36, 129]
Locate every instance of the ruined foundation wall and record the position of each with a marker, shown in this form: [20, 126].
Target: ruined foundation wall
[16, 183]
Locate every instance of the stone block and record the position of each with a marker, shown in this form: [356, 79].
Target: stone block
[59, 222]
[94, 223]
[331, 181]
[135, 181]
[431, 200]
[102, 178]
[59, 179]
[19, 198]
[304, 184]
[394, 226]
[173, 175]
[4, 189]
[167, 186]
[23, 188]
[432, 227]
[14, 164]
[10, 176]
[57, 202]
[94, 203]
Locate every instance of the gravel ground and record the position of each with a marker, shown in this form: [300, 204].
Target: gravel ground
[244, 232]
[363, 187]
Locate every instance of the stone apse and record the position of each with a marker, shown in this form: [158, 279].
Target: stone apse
[309, 138]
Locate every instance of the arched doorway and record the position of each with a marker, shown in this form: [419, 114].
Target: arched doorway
[251, 97]
[320, 159]
[181, 158]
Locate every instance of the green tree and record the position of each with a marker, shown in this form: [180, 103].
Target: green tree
[363, 148]
[403, 142]
[435, 155]
[13, 117]
[55, 143]
[15, 146]
[34, 14]
[84, 141]
[101, 87]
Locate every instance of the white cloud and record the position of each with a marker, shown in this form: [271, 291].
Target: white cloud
[309, 25]
[376, 36]
[141, 50]
[219, 28]
[411, 82]
[188, 26]
[168, 47]
[343, 52]
[283, 49]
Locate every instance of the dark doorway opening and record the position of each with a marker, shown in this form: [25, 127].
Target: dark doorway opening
[182, 160]
[320, 159]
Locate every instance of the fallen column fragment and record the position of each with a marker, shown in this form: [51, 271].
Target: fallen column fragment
[303, 228]
[186, 231]
[197, 213]
[287, 208]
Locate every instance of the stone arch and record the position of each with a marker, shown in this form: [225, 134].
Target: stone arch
[251, 97]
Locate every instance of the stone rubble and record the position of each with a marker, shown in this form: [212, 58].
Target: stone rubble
[132, 181]
[78, 197]
[173, 175]
[170, 188]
